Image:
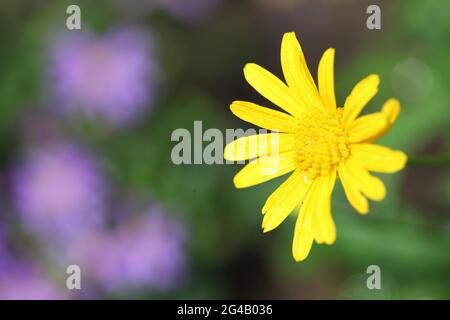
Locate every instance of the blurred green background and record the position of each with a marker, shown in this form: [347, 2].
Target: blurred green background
[199, 62]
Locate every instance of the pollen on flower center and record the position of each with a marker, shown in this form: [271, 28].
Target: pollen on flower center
[321, 142]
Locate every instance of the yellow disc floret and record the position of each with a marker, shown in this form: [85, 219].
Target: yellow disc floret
[321, 142]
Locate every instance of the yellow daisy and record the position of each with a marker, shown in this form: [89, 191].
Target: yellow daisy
[315, 140]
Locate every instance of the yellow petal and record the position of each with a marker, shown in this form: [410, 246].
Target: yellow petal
[372, 187]
[250, 147]
[378, 158]
[391, 110]
[360, 96]
[354, 196]
[272, 88]
[330, 227]
[367, 127]
[265, 168]
[304, 230]
[296, 72]
[324, 227]
[317, 230]
[263, 117]
[283, 200]
[326, 79]
[314, 219]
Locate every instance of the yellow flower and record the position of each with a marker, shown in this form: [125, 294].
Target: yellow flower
[315, 140]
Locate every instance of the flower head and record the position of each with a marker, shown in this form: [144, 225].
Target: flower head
[110, 77]
[317, 140]
[59, 192]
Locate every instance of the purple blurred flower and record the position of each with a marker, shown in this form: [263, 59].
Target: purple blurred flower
[59, 192]
[109, 77]
[24, 281]
[189, 10]
[146, 253]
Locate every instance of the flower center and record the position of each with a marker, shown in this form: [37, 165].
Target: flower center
[321, 142]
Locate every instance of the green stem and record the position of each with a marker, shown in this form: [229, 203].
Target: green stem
[439, 160]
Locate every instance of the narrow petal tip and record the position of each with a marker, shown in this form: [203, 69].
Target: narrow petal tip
[403, 159]
[391, 110]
